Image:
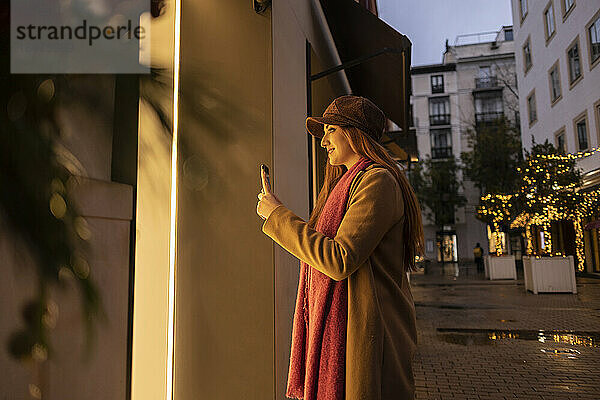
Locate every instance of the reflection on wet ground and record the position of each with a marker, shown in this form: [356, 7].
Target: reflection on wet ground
[570, 353]
[469, 337]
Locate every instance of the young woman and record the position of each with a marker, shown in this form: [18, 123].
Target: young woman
[354, 332]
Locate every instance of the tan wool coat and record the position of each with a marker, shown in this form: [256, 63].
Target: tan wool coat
[368, 251]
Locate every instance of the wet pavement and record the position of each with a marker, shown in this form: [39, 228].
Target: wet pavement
[481, 339]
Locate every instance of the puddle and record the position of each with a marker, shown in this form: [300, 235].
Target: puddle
[469, 337]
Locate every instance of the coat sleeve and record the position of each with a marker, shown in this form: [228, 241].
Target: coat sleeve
[372, 211]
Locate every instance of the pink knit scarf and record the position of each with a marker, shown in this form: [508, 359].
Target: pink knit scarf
[318, 355]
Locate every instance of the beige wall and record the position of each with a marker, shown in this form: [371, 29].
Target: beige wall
[224, 280]
[294, 23]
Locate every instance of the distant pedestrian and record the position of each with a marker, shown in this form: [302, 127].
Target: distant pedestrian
[478, 256]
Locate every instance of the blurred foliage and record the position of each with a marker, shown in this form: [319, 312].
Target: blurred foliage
[436, 184]
[37, 206]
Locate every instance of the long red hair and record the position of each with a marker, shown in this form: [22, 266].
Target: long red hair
[362, 144]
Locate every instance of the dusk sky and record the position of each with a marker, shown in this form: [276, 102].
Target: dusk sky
[428, 23]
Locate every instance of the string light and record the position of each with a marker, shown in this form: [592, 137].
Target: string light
[573, 156]
[562, 200]
[549, 193]
[495, 209]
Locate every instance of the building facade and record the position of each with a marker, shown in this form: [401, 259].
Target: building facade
[475, 84]
[557, 52]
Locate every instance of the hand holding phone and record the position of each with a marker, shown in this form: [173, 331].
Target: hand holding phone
[267, 201]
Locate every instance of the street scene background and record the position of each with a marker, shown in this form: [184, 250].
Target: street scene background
[134, 266]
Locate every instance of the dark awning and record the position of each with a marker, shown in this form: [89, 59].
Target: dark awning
[384, 78]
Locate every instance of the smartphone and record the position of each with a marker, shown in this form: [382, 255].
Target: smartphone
[263, 167]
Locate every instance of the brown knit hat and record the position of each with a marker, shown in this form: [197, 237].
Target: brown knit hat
[349, 110]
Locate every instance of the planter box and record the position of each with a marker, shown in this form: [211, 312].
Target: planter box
[549, 274]
[502, 267]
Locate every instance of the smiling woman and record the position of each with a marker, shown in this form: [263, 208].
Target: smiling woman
[354, 302]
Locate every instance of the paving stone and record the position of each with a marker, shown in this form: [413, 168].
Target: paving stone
[478, 359]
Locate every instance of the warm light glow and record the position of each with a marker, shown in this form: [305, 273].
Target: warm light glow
[173, 209]
[565, 202]
[574, 156]
[495, 209]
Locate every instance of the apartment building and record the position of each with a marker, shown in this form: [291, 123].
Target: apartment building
[475, 84]
[558, 44]
[557, 58]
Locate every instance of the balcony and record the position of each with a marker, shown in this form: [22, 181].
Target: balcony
[439, 119]
[441, 152]
[487, 117]
[437, 88]
[488, 82]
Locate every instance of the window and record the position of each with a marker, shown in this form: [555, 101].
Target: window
[554, 77]
[567, 6]
[580, 128]
[488, 106]
[574, 62]
[531, 110]
[437, 83]
[560, 142]
[527, 62]
[549, 21]
[441, 143]
[439, 111]
[593, 34]
[523, 4]
[484, 71]
[582, 139]
[508, 35]
[485, 78]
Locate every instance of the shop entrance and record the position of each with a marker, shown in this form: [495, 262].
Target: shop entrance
[446, 246]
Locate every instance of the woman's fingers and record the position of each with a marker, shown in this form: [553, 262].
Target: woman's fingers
[265, 183]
